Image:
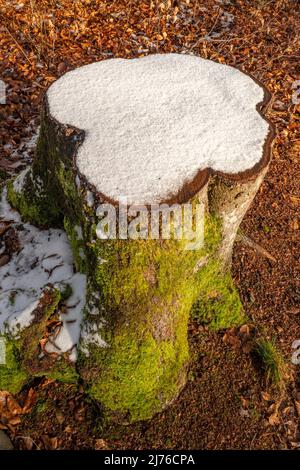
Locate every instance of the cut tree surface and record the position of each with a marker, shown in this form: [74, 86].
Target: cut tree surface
[162, 120]
[165, 128]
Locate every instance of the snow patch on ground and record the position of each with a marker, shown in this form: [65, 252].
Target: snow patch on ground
[68, 337]
[25, 149]
[19, 181]
[90, 333]
[45, 257]
[90, 336]
[152, 123]
[226, 21]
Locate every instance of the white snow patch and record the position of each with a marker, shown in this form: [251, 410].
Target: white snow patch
[226, 21]
[19, 181]
[90, 198]
[25, 150]
[77, 181]
[152, 123]
[78, 231]
[45, 258]
[69, 334]
[90, 336]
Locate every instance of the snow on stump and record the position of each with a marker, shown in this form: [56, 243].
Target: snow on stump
[129, 149]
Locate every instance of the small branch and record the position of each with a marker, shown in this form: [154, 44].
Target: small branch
[259, 249]
[207, 36]
[215, 23]
[17, 44]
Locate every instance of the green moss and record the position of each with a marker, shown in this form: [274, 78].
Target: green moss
[33, 207]
[147, 325]
[218, 303]
[65, 177]
[49, 194]
[63, 372]
[135, 269]
[77, 245]
[66, 292]
[22, 355]
[12, 376]
[40, 407]
[141, 375]
[42, 204]
[31, 335]
[58, 369]
[49, 191]
[147, 289]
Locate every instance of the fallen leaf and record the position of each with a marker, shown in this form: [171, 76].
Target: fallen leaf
[244, 329]
[248, 346]
[297, 405]
[14, 421]
[30, 401]
[4, 259]
[59, 416]
[28, 442]
[50, 443]
[61, 68]
[266, 396]
[13, 406]
[101, 444]
[274, 419]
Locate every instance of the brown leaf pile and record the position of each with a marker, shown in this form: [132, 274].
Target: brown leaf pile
[241, 338]
[11, 410]
[41, 40]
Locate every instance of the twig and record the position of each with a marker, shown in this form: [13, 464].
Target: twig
[215, 23]
[206, 37]
[40, 86]
[259, 249]
[51, 341]
[28, 437]
[18, 45]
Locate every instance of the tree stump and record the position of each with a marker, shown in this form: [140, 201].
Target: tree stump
[172, 130]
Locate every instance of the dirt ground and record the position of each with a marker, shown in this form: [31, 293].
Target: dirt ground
[227, 403]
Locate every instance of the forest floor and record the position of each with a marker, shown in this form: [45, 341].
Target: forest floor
[227, 403]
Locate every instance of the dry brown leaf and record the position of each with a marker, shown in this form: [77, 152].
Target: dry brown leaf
[244, 329]
[101, 444]
[50, 443]
[248, 346]
[14, 421]
[266, 396]
[13, 406]
[59, 416]
[28, 442]
[274, 419]
[297, 406]
[68, 429]
[4, 259]
[30, 401]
